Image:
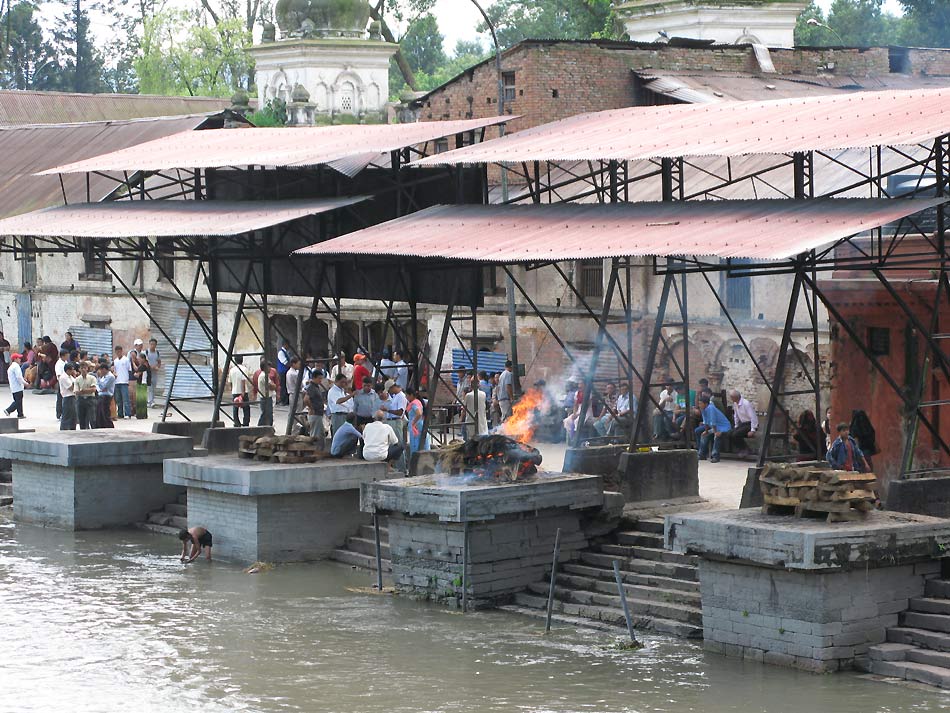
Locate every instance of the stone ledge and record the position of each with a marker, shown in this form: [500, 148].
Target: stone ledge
[883, 539]
[93, 447]
[242, 476]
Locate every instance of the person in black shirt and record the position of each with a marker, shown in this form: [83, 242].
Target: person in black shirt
[315, 399]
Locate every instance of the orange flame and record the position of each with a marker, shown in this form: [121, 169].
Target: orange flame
[521, 424]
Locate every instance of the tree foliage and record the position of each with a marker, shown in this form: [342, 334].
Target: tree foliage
[81, 62]
[863, 23]
[927, 22]
[205, 59]
[422, 45]
[30, 61]
[516, 20]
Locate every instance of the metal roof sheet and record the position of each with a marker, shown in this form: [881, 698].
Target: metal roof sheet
[163, 219]
[25, 149]
[19, 106]
[762, 229]
[862, 119]
[299, 146]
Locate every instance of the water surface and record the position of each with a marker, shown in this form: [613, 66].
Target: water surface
[110, 621]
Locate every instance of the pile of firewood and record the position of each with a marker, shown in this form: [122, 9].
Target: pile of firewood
[280, 449]
[838, 495]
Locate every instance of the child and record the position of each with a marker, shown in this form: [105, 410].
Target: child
[198, 538]
[845, 454]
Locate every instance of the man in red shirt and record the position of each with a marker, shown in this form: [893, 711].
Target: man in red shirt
[360, 371]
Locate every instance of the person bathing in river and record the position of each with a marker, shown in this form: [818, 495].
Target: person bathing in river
[198, 538]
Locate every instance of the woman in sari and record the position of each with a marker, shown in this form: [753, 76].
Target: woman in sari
[415, 413]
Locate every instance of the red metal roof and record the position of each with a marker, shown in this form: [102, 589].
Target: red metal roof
[761, 229]
[864, 119]
[164, 219]
[303, 146]
[18, 106]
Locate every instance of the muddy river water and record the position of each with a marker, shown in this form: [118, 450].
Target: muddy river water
[112, 621]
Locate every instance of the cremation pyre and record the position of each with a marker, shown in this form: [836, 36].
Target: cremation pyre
[494, 456]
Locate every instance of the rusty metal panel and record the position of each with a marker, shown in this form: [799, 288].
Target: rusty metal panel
[272, 147]
[822, 123]
[34, 107]
[761, 229]
[27, 148]
[157, 219]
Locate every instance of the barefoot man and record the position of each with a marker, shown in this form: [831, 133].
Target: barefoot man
[198, 538]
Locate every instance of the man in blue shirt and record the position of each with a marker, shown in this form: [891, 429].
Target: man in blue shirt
[715, 425]
[346, 439]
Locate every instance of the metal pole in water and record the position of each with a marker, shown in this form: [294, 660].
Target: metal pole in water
[557, 552]
[623, 601]
[465, 567]
[379, 552]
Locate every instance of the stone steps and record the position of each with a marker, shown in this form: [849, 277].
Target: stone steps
[631, 577]
[177, 509]
[655, 525]
[639, 607]
[608, 615]
[358, 559]
[639, 591]
[160, 517]
[646, 553]
[640, 539]
[919, 649]
[367, 546]
[6, 493]
[662, 569]
[160, 529]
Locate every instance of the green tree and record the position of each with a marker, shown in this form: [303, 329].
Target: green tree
[206, 59]
[82, 63]
[30, 61]
[927, 22]
[859, 23]
[422, 45]
[811, 35]
[516, 20]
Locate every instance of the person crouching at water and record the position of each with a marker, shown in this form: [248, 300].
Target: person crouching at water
[198, 538]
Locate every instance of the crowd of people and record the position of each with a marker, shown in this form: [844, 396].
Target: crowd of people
[91, 391]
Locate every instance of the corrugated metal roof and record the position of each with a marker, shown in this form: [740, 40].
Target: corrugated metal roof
[699, 87]
[863, 119]
[763, 229]
[298, 146]
[31, 107]
[163, 219]
[26, 149]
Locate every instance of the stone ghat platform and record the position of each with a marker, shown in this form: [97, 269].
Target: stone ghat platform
[274, 512]
[80, 480]
[492, 538]
[805, 593]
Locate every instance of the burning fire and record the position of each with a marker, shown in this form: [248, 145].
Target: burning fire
[521, 425]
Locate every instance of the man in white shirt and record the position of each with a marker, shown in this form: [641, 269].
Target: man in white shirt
[744, 418]
[379, 441]
[65, 384]
[396, 413]
[58, 368]
[387, 369]
[122, 368]
[506, 391]
[239, 396]
[476, 412]
[339, 403]
[342, 367]
[291, 379]
[663, 416]
[17, 384]
[400, 370]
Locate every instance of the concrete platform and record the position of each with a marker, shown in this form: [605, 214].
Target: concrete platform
[79, 480]
[497, 538]
[274, 512]
[805, 593]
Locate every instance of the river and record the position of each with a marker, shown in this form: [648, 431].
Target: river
[111, 621]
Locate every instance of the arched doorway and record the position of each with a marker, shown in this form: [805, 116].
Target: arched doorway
[316, 338]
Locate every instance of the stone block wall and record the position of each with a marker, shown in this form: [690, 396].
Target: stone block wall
[505, 554]
[817, 621]
[89, 498]
[294, 527]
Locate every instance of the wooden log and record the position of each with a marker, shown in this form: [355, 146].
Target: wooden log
[775, 500]
[854, 495]
[803, 484]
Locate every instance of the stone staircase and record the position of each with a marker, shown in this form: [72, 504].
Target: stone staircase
[662, 587]
[6, 488]
[360, 551]
[919, 648]
[170, 519]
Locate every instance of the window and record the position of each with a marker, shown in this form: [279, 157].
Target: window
[166, 264]
[591, 280]
[879, 341]
[508, 83]
[29, 262]
[93, 266]
[737, 291]
[441, 145]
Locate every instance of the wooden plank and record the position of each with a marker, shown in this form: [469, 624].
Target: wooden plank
[854, 495]
[824, 506]
[774, 500]
[802, 484]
